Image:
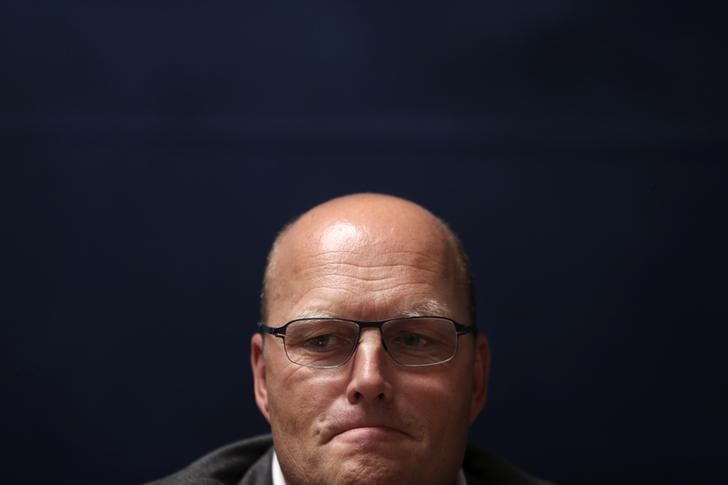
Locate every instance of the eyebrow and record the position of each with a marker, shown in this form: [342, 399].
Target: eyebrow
[315, 313]
[427, 307]
[423, 308]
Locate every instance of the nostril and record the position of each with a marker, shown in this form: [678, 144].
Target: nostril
[381, 396]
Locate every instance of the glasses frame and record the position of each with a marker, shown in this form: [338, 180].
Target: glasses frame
[280, 332]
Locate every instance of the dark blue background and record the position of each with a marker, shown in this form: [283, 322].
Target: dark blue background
[151, 150]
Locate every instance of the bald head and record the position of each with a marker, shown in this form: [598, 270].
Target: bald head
[359, 226]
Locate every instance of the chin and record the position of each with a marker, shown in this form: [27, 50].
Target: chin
[379, 463]
[374, 449]
[365, 470]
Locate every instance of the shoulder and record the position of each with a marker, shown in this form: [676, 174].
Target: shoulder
[246, 461]
[484, 467]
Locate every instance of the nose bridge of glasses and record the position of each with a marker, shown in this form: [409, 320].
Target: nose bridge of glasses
[370, 335]
[370, 354]
[371, 332]
[368, 328]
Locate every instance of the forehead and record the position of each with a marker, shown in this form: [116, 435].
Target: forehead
[371, 268]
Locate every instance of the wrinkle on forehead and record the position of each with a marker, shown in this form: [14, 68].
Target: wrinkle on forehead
[382, 265]
[339, 291]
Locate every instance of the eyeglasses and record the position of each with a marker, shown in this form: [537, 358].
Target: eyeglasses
[330, 342]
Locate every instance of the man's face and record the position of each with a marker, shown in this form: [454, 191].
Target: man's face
[370, 420]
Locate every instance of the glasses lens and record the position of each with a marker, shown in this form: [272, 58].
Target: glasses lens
[320, 343]
[420, 341]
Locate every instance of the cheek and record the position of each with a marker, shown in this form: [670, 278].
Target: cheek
[443, 405]
[298, 399]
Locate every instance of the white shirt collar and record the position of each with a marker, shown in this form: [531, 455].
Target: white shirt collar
[277, 473]
[279, 480]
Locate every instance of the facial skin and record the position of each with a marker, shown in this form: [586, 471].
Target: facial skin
[368, 257]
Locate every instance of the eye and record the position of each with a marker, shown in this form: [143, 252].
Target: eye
[320, 341]
[411, 339]
[326, 342]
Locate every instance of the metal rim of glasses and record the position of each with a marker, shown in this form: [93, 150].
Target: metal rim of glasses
[280, 332]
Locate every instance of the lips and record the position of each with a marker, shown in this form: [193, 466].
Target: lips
[369, 434]
[363, 429]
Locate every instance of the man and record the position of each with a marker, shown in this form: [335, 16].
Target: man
[368, 365]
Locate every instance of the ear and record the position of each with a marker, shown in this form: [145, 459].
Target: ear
[481, 371]
[257, 363]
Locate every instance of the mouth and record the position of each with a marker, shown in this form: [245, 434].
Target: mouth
[372, 434]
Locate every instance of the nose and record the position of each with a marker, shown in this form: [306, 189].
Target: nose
[370, 371]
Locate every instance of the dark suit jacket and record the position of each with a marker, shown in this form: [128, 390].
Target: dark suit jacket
[248, 462]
